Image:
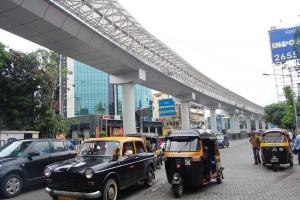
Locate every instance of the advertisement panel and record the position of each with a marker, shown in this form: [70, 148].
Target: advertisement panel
[285, 44]
[167, 108]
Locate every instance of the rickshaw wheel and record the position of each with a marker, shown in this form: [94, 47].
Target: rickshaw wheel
[291, 162]
[177, 190]
[275, 167]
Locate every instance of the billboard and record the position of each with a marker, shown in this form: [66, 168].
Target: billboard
[285, 44]
[167, 108]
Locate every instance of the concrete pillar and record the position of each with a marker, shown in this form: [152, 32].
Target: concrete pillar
[185, 115]
[256, 125]
[213, 120]
[206, 123]
[263, 124]
[128, 108]
[237, 124]
[223, 121]
[248, 123]
[232, 124]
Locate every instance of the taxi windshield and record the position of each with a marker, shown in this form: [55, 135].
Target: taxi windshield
[99, 148]
[274, 137]
[183, 144]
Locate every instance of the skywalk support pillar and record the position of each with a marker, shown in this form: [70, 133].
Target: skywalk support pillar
[213, 119]
[185, 100]
[256, 125]
[185, 115]
[128, 108]
[231, 121]
[263, 125]
[128, 80]
[237, 124]
[248, 123]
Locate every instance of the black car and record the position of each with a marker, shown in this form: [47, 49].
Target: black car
[22, 162]
[103, 167]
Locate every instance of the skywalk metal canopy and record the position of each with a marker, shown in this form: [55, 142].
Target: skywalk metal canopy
[111, 20]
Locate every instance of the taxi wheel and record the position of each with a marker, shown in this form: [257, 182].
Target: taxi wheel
[177, 190]
[12, 185]
[110, 191]
[150, 177]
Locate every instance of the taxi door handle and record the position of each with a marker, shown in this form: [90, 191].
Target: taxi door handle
[131, 166]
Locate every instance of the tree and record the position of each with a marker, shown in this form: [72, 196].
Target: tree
[18, 88]
[29, 91]
[274, 113]
[51, 123]
[282, 114]
[48, 120]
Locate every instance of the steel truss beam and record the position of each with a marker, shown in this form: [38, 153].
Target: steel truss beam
[111, 20]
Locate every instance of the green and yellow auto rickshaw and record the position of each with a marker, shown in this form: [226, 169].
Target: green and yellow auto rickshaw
[192, 158]
[276, 148]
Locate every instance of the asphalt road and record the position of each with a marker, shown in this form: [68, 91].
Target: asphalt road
[243, 181]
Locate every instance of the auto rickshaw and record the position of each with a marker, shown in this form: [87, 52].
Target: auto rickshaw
[152, 145]
[276, 148]
[192, 158]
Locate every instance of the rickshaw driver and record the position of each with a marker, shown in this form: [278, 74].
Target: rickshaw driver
[255, 141]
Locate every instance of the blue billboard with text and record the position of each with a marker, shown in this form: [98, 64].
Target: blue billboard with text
[167, 108]
[285, 44]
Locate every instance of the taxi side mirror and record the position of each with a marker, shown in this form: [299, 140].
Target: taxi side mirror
[128, 152]
[33, 154]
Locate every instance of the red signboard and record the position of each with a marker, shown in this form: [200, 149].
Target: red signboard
[106, 117]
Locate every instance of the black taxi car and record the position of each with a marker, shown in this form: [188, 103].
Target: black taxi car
[22, 162]
[103, 167]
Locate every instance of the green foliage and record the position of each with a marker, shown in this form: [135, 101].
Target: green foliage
[29, 91]
[287, 121]
[274, 113]
[51, 123]
[282, 114]
[18, 87]
[289, 94]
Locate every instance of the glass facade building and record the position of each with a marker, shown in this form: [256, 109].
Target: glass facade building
[91, 90]
[94, 95]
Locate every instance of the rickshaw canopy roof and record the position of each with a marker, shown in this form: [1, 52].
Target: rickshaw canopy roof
[149, 135]
[201, 133]
[283, 131]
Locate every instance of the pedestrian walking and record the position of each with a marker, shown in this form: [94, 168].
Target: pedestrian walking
[296, 147]
[255, 141]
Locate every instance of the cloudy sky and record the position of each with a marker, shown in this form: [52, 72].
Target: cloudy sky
[226, 40]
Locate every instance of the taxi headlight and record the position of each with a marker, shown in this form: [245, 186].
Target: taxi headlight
[47, 172]
[89, 173]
